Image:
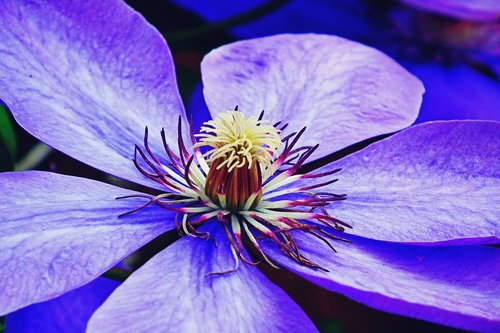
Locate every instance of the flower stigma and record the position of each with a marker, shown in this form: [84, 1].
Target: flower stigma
[242, 150]
[245, 182]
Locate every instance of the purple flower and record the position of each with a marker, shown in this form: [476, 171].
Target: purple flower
[88, 77]
[485, 10]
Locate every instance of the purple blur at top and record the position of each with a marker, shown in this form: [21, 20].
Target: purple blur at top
[87, 78]
[474, 10]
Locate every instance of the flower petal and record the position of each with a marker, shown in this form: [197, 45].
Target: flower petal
[172, 292]
[67, 313]
[343, 91]
[483, 10]
[449, 285]
[59, 232]
[432, 182]
[87, 77]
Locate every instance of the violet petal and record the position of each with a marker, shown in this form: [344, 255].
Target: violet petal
[172, 292]
[60, 232]
[87, 77]
[67, 313]
[432, 182]
[343, 91]
[449, 285]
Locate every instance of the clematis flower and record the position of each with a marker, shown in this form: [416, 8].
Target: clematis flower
[469, 27]
[405, 227]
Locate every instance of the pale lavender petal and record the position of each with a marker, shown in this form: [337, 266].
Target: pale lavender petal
[60, 232]
[87, 77]
[449, 285]
[172, 292]
[474, 10]
[67, 313]
[433, 182]
[343, 91]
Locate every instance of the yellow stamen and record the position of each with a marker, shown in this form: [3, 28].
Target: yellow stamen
[242, 150]
[239, 140]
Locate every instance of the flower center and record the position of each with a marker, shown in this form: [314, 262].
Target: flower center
[242, 149]
[246, 182]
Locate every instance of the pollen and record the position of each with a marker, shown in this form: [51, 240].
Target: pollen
[238, 141]
[240, 150]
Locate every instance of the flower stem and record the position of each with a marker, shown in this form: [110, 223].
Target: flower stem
[34, 157]
[235, 20]
[117, 274]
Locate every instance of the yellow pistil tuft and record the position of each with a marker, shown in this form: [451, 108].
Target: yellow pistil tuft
[242, 150]
[239, 141]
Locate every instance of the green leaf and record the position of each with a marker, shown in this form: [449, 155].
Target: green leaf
[187, 80]
[34, 157]
[7, 141]
[329, 326]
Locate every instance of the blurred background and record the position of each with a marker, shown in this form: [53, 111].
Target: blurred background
[453, 47]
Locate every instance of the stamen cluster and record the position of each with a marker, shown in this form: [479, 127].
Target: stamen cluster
[238, 141]
[245, 183]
